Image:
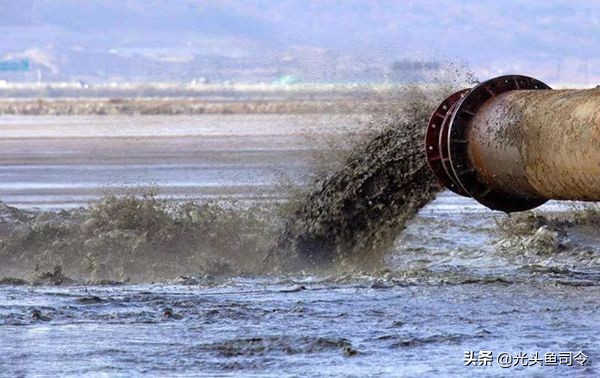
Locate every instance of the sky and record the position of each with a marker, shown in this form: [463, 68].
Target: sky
[556, 41]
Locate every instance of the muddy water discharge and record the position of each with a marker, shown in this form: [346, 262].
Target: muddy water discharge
[354, 215]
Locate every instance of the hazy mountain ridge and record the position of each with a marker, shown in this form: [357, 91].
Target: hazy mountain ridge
[314, 40]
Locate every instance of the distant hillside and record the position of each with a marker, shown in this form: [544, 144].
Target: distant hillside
[220, 40]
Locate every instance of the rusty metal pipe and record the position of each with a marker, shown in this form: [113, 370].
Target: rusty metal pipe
[512, 143]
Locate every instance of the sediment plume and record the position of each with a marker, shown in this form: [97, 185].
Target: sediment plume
[354, 215]
[131, 239]
[348, 218]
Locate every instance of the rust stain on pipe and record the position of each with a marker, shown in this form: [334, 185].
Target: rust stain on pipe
[512, 143]
[543, 144]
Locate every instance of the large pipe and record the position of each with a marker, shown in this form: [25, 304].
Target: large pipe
[512, 143]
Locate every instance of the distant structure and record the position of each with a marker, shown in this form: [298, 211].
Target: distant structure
[12, 68]
[14, 65]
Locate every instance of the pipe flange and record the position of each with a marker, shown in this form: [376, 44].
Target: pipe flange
[461, 171]
[437, 131]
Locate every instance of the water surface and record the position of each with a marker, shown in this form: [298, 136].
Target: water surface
[452, 283]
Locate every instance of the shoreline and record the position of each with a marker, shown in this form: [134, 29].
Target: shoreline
[170, 106]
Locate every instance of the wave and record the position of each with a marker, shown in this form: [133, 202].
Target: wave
[132, 239]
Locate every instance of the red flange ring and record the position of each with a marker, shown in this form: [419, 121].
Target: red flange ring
[435, 148]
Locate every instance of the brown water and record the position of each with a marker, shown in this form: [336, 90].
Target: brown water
[355, 213]
[364, 206]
